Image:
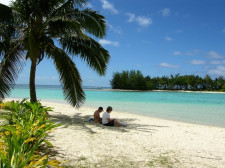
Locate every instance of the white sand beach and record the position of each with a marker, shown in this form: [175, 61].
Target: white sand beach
[145, 142]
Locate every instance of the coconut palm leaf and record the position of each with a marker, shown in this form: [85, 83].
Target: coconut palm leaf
[11, 59]
[88, 19]
[36, 25]
[59, 26]
[89, 50]
[91, 21]
[11, 65]
[69, 76]
[5, 13]
[6, 24]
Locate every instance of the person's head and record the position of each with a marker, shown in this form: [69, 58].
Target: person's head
[109, 109]
[100, 109]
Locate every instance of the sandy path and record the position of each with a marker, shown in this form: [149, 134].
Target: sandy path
[146, 142]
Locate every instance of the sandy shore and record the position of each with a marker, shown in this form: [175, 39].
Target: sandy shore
[146, 142]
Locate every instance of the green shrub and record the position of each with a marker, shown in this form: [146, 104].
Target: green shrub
[223, 88]
[23, 137]
[134, 80]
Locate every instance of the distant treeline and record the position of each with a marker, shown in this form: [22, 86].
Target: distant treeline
[134, 80]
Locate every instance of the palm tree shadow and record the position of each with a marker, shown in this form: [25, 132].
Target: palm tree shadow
[140, 127]
[78, 121]
[81, 122]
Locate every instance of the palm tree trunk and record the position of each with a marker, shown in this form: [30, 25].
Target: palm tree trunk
[33, 97]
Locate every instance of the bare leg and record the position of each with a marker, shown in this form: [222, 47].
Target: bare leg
[117, 123]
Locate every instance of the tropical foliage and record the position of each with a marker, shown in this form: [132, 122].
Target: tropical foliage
[23, 136]
[136, 81]
[133, 80]
[52, 29]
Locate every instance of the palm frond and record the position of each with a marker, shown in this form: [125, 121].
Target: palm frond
[91, 21]
[89, 50]
[39, 8]
[6, 23]
[63, 9]
[20, 5]
[11, 65]
[46, 7]
[61, 21]
[69, 76]
[5, 13]
[35, 24]
[60, 26]
[11, 59]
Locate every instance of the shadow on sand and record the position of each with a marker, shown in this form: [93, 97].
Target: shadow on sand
[81, 122]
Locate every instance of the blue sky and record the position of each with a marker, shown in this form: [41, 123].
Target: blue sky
[158, 37]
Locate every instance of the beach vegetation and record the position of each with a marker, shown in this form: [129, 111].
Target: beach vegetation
[223, 88]
[129, 80]
[57, 30]
[134, 80]
[23, 135]
[164, 160]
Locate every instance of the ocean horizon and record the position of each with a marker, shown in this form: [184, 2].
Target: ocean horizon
[191, 107]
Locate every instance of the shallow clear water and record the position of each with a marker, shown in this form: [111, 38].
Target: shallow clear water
[200, 108]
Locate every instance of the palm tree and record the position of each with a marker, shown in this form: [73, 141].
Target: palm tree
[52, 29]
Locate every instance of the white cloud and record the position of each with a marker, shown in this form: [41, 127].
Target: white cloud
[143, 21]
[138, 66]
[117, 30]
[206, 67]
[216, 62]
[176, 53]
[179, 31]
[188, 53]
[192, 53]
[108, 6]
[107, 42]
[89, 5]
[132, 17]
[168, 38]
[214, 55]
[140, 20]
[145, 41]
[219, 70]
[166, 65]
[5, 2]
[165, 12]
[54, 77]
[197, 62]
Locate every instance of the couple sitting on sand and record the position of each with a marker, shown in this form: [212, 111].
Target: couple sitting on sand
[106, 120]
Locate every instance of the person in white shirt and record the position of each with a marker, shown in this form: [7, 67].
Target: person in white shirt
[107, 121]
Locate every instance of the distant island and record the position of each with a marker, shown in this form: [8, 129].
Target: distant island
[135, 80]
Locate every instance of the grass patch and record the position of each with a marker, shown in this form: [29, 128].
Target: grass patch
[164, 160]
[107, 162]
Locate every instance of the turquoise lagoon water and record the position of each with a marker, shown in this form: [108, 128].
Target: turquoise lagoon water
[199, 108]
